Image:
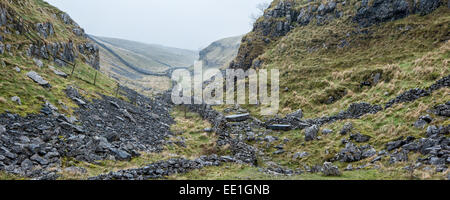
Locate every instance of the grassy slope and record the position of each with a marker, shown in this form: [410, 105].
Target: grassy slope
[410, 52]
[113, 67]
[152, 56]
[32, 95]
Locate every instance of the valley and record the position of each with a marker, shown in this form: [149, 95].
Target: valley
[364, 95]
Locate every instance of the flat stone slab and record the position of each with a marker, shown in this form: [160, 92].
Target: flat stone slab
[238, 118]
[38, 79]
[57, 72]
[279, 127]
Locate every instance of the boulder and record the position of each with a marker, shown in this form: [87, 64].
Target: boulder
[38, 62]
[297, 115]
[432, 130]
[347, 128]
[358, 137]
[75, 170]
[327, 131]
[442, 110]
[26, 165]
[311, 133]
[238, 118]
[300, 155]
[121, 155]
[57, 72]
[328, 169]
[39, 159]
[16, 99]
[279, 127]
[38, 79]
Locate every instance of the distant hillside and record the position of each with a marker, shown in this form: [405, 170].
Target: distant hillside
[141, 66]
[220, 53]
[152, 55]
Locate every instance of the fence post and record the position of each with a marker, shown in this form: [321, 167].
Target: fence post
[95, 77]
[73, 69]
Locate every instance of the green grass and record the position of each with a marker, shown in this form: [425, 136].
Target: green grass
[7, 176]
[191, 128]
[244, 172]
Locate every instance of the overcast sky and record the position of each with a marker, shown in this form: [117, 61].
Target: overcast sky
[189, 24]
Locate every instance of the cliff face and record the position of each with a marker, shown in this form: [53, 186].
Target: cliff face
[285, 15]
[37, 36]
[220, 53]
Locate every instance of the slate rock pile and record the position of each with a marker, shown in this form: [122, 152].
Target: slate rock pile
[164, 168]
[34, 146]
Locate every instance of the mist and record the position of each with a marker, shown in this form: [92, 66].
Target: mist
[188, 24]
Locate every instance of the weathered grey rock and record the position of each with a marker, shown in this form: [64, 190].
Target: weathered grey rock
[328, 169]
[39, 159]
[16, 99]
[387, 10]
[26, 164]
[399, 156]
[238, 118]
[277, 152]
[2, 129]
[432, 130]
[297, 115]
[78, 31]
[358, 137]
[327, 131]
[2, 48]
[114, 104]
[75, 170]
[408, 96]
[57, 72]
[17, 69]
[398, 143]
[350, 153]
[45, 29]
[369, 153]
[349, 167]
[120, 154]
[442, 110]
[38, 79]
[38, 62]
[311, 133]
[128, 115]
[280, 127]
[347, 128]
[423, 121]
[300, 155]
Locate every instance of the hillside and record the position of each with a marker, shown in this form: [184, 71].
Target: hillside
[152, 56]
[365, 76]
[220, 53]
[57, 111]
[364, 94]
[131, 69]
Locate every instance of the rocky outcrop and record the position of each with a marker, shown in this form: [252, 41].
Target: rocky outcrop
[45, 29]
[387, 10]
[284, 16]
